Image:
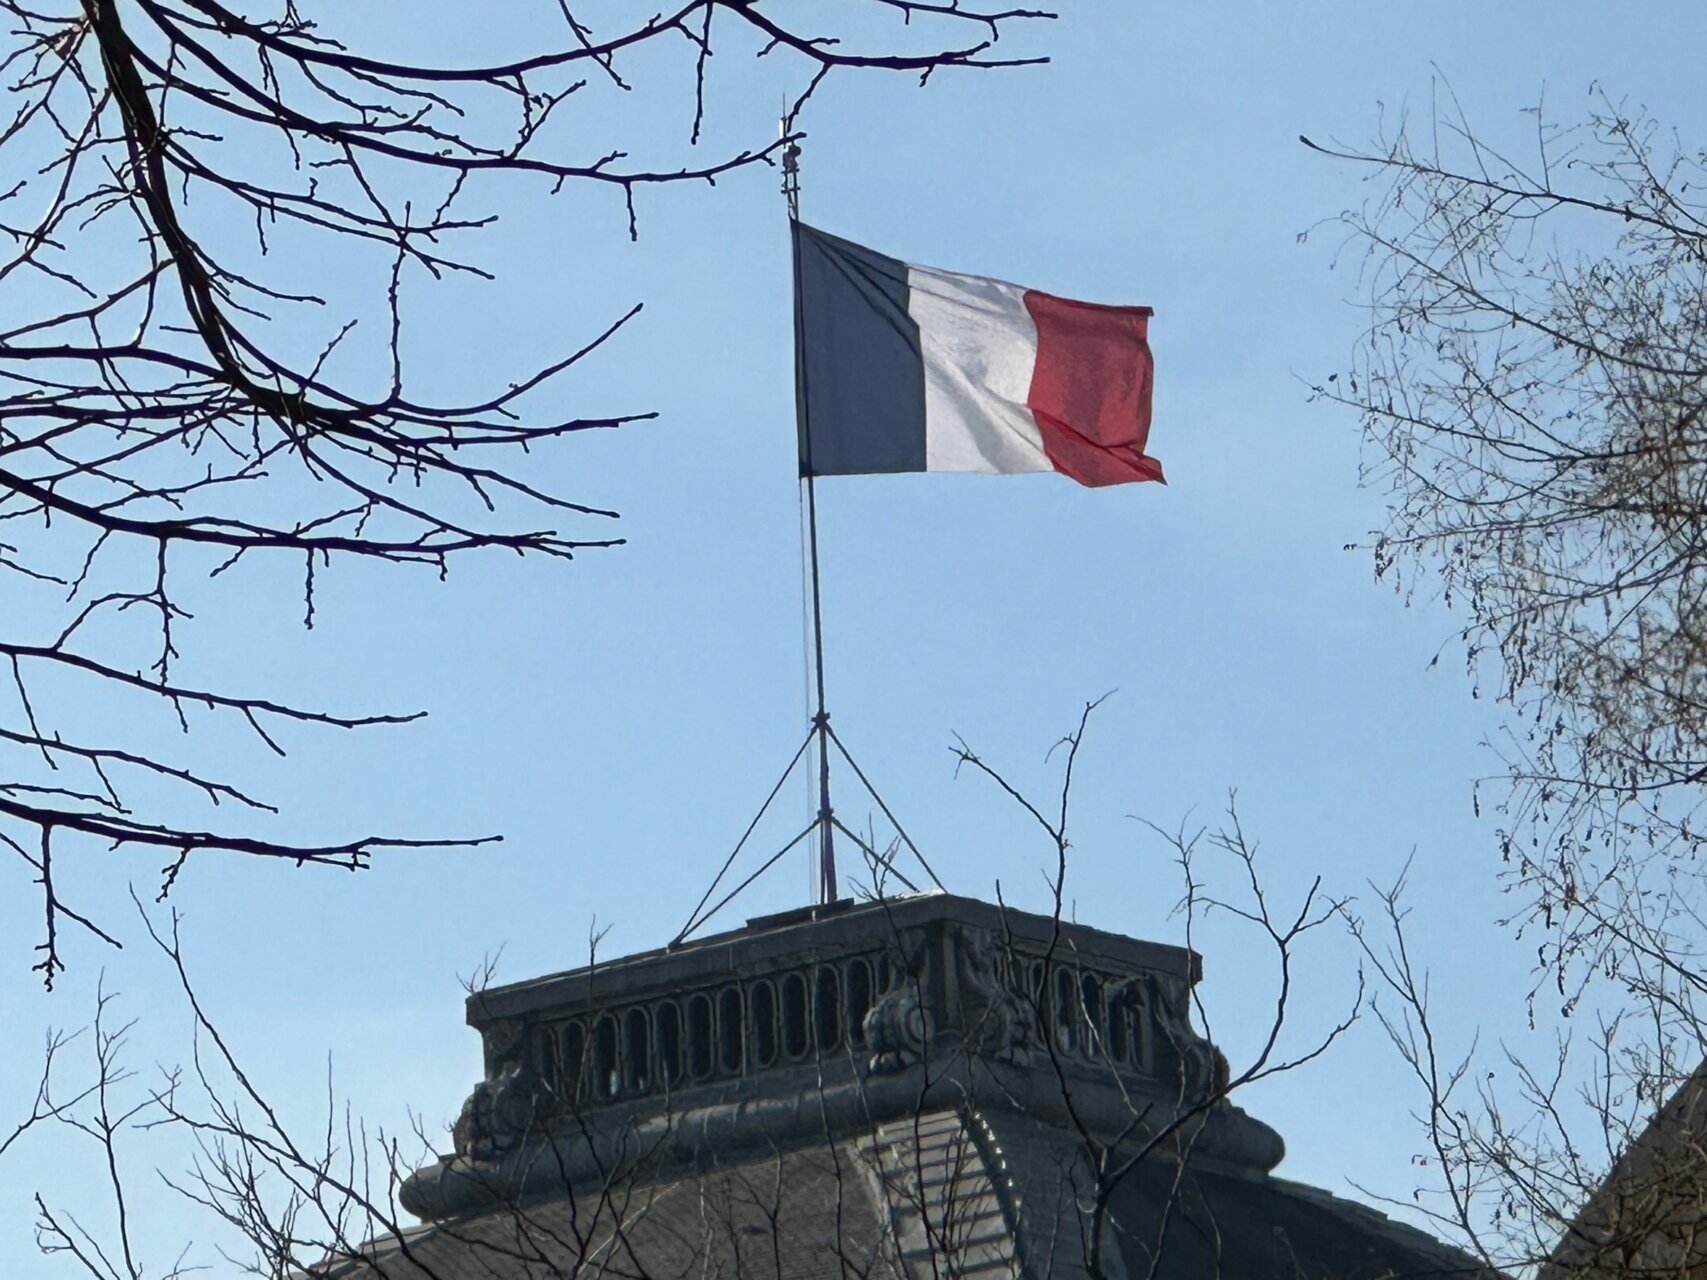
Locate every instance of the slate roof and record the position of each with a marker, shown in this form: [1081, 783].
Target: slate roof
[923, 1201]
[1649, 1217]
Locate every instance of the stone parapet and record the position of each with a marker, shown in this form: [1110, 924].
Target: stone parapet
[822, 1024]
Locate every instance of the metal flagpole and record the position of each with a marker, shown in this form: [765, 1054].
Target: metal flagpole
[821, 721]
[821, 718]
[824, 822]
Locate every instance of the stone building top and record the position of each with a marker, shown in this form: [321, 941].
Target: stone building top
[853, 986]
[899, 1089]
[857, 1006]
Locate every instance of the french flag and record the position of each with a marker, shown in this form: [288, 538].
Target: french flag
[907, 368]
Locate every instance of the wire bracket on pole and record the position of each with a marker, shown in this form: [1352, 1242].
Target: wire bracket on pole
[823, 823]
[873, 793]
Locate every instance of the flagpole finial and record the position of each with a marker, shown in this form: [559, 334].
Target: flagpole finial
[790, 161]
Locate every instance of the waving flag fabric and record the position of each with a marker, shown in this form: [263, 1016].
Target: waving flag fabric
[907, 368]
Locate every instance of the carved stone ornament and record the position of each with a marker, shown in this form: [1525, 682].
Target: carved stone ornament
[503, 1041]
[510, 1102]
[896, 1026]
[500, 1113]
[895, 1029]
[999, 1025]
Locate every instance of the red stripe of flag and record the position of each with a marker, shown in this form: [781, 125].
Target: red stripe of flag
[1090, 389]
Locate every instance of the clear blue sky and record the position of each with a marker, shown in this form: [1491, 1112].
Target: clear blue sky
[618, 719]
